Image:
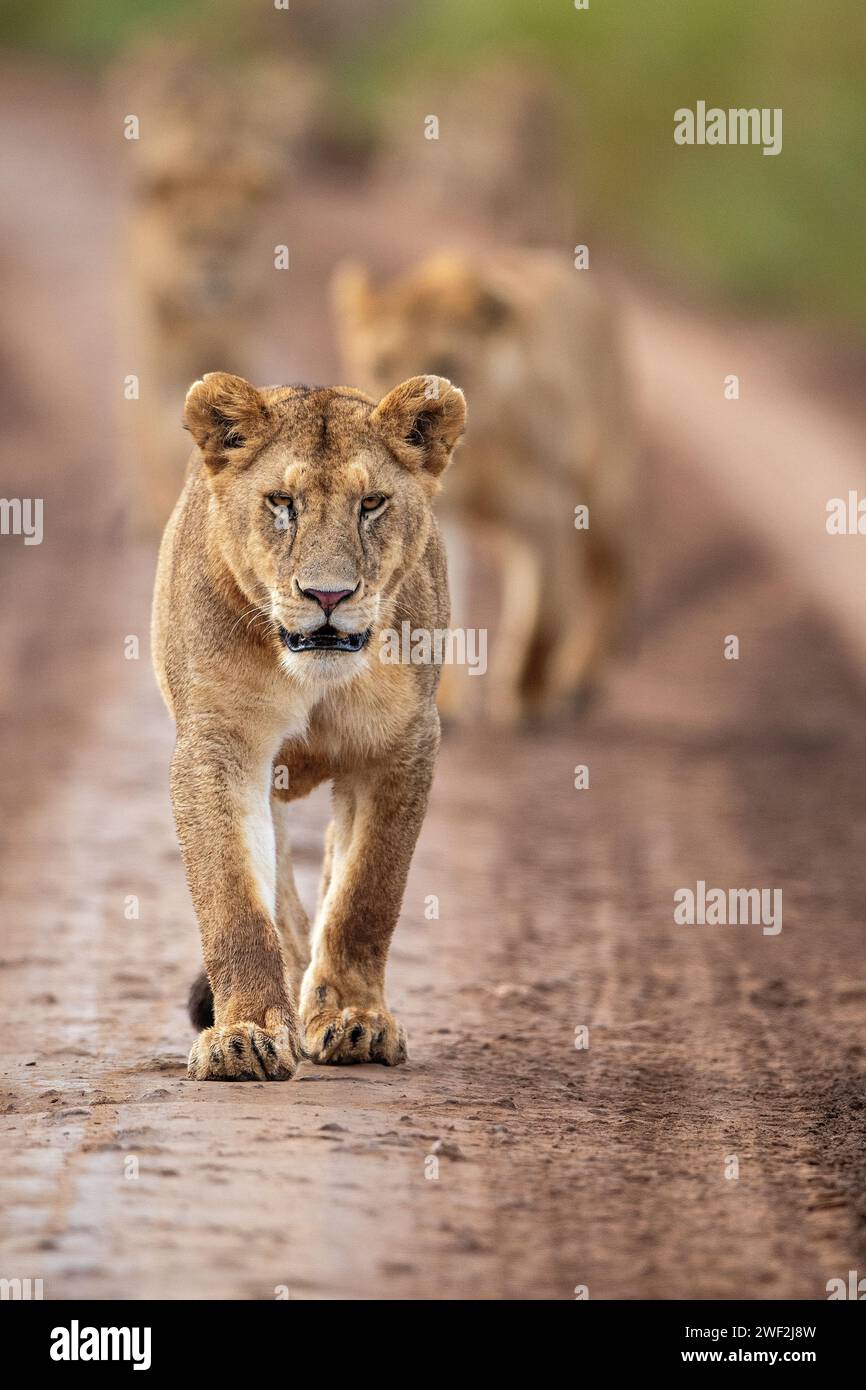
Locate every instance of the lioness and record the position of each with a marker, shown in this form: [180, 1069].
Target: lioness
[206, 177]
[304, 531]
[501, 155]
[535, 345]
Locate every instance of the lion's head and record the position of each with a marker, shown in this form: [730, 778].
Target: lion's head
[448, 316]
[321, 501]
[217, 142]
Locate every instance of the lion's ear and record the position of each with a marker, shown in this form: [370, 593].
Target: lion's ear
[421, 420]
[226, 417]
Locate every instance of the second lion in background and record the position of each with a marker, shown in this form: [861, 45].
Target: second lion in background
[545, 496]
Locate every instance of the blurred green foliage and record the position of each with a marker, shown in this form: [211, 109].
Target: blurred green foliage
[88, 30]
[784, 233]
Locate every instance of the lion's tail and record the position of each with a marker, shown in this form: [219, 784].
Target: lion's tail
[200, 1001]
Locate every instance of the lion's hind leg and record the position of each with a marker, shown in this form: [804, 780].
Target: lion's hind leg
[292, 921]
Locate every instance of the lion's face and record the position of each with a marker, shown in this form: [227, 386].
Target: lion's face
[200, 242]
[207, 172]
[323, 500]
[442, 318]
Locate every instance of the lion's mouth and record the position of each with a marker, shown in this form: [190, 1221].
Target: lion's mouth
[325, 639]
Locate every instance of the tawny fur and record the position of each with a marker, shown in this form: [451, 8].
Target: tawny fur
[206, 175]
[535, 347]
[258, 726]
[502, 156]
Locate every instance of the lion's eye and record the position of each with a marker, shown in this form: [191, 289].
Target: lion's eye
[373, 502]
[282, 505]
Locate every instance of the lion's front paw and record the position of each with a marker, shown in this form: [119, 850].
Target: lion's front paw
[355, 1035]
[244, 1052]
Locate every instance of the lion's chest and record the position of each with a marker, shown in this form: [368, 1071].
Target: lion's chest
[348, 728]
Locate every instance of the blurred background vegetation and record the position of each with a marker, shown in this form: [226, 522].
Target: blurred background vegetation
[780, 234]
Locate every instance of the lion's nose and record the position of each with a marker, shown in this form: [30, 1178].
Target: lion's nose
[328, 598]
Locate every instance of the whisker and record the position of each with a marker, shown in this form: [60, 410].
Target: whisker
[252, 608]
[257, 619]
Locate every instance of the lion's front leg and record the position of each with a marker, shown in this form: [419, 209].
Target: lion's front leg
[221, 796]
[378, 814]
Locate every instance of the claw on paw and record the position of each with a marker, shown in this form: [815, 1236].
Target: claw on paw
[243, 1052]
[355, 1035]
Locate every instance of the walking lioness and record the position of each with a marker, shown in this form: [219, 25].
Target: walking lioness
[304, 532]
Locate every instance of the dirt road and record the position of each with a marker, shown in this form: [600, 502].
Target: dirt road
[708, 1142]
